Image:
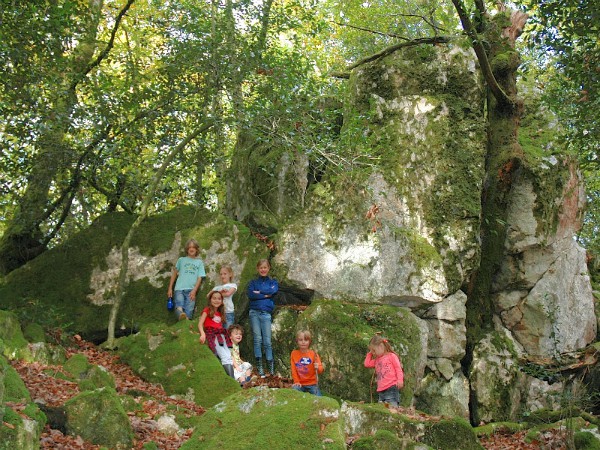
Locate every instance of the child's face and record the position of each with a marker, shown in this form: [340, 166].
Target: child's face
[378, 349]
[263, 269]
[216, 300]
[225, 276]
[236, 336]
[303, 342]
[192, 252]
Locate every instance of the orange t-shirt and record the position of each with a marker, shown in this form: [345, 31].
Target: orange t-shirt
[303, 367]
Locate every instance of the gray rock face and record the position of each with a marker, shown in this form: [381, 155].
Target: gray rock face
[543, 291]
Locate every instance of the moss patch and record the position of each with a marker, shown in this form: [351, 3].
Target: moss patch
[173, 357]
[270, 418]
[450, 435]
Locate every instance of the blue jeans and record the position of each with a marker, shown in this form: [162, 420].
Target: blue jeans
[390, 396]
[183, 303]
[260, 322]
[311, 389]
[229, 319]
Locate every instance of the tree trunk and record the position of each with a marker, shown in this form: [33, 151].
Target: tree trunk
[23, 239]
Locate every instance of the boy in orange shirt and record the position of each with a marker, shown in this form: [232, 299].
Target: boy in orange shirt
[306, 365]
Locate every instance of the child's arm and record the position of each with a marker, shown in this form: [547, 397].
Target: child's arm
[174, 275]
[201, 327]
[195, 290]
[228, 292]
[272, 289]
[399, 372]
[369, 360]
[295, 376]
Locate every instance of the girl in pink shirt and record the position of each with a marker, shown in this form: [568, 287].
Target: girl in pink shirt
[388, 368]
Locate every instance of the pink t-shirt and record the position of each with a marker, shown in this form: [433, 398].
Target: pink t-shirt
[388, 369]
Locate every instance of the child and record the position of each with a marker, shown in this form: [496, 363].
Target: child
[305, 364]
[227, 288]
[188, 272]
[212, 332]
[390, 376]
[242, 370]
[260, 292]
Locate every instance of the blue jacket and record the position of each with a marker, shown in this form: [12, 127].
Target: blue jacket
[267, 287]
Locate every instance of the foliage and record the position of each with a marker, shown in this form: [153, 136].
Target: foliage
[564, 58]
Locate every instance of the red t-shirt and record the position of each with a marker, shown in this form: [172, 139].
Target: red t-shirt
[215, 322]
[388, 369]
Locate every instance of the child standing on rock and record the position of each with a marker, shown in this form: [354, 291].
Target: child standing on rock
[388, 368]
[188, 272]
[227, 288]
[212, 332]
[306, 365]
[260, 292]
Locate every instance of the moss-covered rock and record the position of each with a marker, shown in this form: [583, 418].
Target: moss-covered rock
[341, 334]
[585, 440]
[173, 357]
[82, 303]
[450, 435]
[98, 416]
[21, 430]
[270, 418]
[14, 389]
[381, 440]
[13, 344]
[34, 333]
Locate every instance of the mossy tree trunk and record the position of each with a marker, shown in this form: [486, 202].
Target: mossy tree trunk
[499, 62]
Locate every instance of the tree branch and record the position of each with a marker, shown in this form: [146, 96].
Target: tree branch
[388, 51]
[484, 62]
[368, 30]
[107, 49]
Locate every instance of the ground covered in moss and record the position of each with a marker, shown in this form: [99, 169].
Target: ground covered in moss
[149, 401]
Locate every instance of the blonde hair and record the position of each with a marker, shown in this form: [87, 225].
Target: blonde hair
[229, 269]
[304, 333]
[378, 340]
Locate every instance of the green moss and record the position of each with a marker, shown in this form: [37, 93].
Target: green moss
[586, 441]
[381, 440]
[352, 328]
[173, 357]
[270, 418]
[14, 388]
[498, 427]
[34, 332]
[450, 435]
[98, 416]
[19, 435]
[77, 365]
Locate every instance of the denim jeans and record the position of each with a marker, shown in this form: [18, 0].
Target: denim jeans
[183, 303]
[390, 396]
[260, 322]
[229, 319]
[311, 389]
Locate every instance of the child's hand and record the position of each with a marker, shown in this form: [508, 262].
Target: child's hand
[400, 384]
[296, 385]
[202, 338]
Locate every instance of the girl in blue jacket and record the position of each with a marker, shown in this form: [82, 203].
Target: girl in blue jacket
[260, 292]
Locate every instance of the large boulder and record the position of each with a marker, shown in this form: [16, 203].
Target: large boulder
[270, 418]
[341, 333]
[173, 357]
[81, 303]
[404, 227]
[98, 416]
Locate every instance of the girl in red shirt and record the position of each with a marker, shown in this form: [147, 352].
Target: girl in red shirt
[213, 333]
[388, 368]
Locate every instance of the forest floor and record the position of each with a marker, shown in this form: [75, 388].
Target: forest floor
[54, 392]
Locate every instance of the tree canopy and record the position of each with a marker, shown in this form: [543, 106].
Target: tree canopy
[95, 94]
